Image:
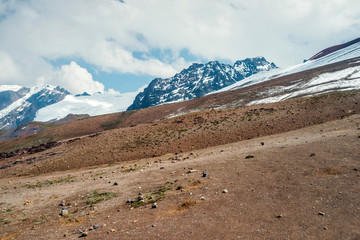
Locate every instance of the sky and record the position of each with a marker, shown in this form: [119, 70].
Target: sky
[120, 46]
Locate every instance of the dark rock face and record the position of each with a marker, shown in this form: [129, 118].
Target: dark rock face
[197, 81]
[333, 49]
[28, 104]
[8, 97]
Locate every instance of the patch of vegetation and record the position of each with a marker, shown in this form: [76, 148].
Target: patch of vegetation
[5, 221]
[40, 221]
[180, 131]
[348, 115]
[317, 98]
[48, 183]
[336, 95]
[95, 197]
[30, 141]
[151, 197]
[133, 169]
[116, 122]
[97, 174]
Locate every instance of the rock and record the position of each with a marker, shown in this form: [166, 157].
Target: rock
[278, 216]
[115, 184]
[221, 150]
[262, 143]
[312, 155]
[153, 225]
[225, 191]
[154, 205]
[249, 156]
[96, 226]
[112, 230]
[140, 194]
[63, 203]
[204, 174]
[202, 198]
[321, 214]
[84, 234]
[129, 201]
[64, 212]
[161, 167]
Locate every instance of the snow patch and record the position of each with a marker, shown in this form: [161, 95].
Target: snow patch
[349, 52]
[343, 80]
[96, 104]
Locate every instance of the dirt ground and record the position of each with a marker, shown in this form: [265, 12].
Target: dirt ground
[302, 184]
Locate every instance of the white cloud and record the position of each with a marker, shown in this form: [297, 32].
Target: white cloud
[106, 33]
[75, 79]
[9, 72]
[112, 91]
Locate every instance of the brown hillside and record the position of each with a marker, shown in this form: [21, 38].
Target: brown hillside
[184, 133]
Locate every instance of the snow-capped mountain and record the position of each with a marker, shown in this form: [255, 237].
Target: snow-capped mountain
[198, 80]
[19, 105]
[328, 56]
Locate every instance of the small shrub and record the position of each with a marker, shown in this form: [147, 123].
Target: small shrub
[48, 183]
[96, 197]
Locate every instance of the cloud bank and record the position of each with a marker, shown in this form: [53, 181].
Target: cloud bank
[149, 37]
[75, 79]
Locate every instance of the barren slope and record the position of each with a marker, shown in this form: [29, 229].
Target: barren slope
[184, 133]
[301, 184]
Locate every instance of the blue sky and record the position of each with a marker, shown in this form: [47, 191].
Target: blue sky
[112, 45]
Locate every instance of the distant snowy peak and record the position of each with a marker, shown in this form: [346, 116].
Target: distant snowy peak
[250, 66]
[20, 104]
[13, 88]
[82, 94]
[198, 80]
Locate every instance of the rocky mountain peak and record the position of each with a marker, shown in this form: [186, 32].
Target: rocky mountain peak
[22, 103]
[198, 80]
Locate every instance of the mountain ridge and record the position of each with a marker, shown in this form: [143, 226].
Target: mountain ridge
[198, 80]
[23, 103]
